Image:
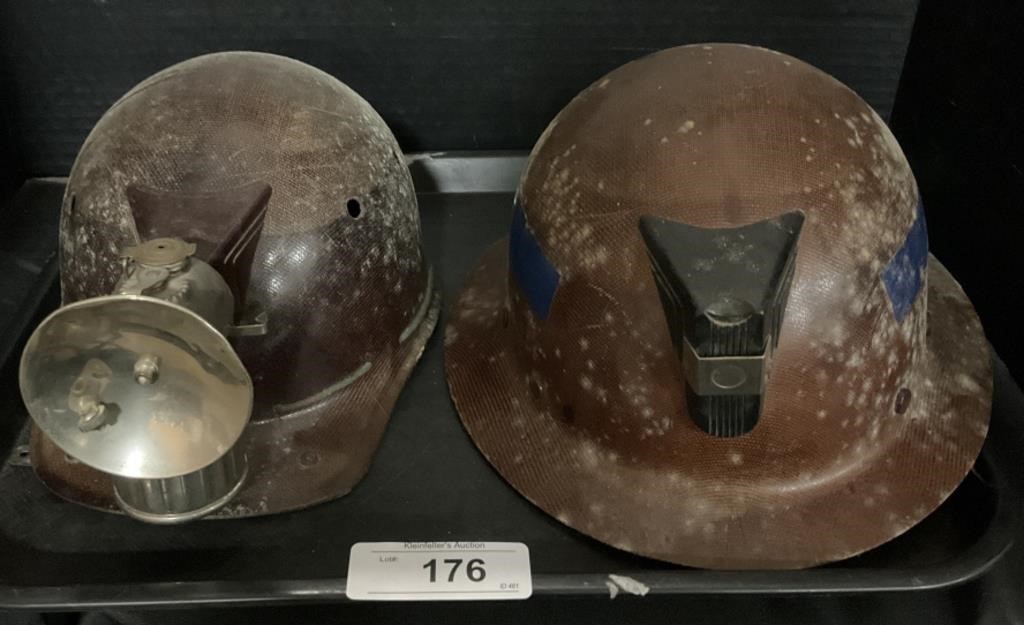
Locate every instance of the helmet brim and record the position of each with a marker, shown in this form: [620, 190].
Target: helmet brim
[685, 512]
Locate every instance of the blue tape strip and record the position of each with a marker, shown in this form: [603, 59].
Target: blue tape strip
[904, 275]
[532, 270]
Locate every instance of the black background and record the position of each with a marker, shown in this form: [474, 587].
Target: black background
[959, 115]
[444, 74]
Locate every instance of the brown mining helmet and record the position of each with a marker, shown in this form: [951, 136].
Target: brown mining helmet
[714, 335]
[240, 196]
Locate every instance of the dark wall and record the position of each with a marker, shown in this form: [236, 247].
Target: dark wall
[960, 119]
[446, 74]
[11, 169]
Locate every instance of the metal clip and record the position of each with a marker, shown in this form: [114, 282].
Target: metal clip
[255, 326]
[723, 375]
[84, 396]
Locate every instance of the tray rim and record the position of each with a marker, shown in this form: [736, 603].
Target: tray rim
[976, 560]
[453, 173]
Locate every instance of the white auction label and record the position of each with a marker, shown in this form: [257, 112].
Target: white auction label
[438, 571]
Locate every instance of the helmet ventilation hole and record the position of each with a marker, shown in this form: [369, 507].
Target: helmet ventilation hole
[354, 208]
[903, 397]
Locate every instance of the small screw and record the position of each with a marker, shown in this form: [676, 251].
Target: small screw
[91, 416]
[147, 369]
[309, 458]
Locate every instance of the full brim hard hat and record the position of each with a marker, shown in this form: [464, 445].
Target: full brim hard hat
[563, 365]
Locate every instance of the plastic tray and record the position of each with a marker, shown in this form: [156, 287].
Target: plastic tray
[427, 482]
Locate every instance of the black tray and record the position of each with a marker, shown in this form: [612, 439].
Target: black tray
[427, 482]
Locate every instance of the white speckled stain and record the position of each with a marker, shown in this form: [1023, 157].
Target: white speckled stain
[451, 334]
[967, 383]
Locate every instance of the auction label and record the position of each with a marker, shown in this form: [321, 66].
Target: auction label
[438, 571]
